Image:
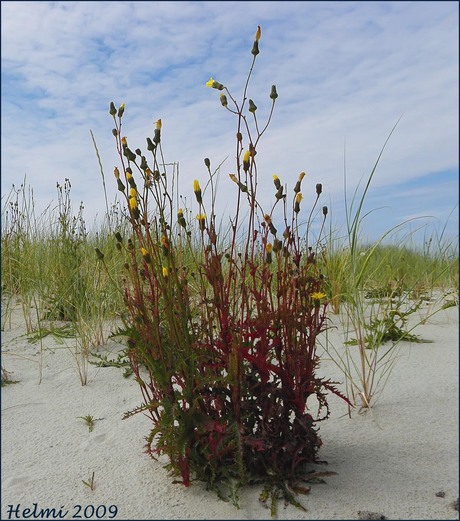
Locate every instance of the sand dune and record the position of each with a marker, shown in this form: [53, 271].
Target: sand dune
[399, 461]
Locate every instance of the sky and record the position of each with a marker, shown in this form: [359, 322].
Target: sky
[346, 73]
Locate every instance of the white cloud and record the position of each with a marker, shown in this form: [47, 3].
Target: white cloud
[345, 72]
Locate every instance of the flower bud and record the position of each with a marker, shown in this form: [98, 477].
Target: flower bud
[99, 254]
[112, 110]
[277, 245]
[268, 220]
[246, 159]
[197, 190]
[298, 198]
[165, 272]
[277, 181]
[201, 218]
[319, 188]
[165, 245]
[129, 154]
[134, 208]
[255, 48]
[146, 255]
[207, 162]
[273, 93]
[115, 132]
[130, 178]
[180, 218]
[223, 100]
[150, 145]
[258, 34]
[268, 254]
[252, 106]
[324, 211]
[121, 110]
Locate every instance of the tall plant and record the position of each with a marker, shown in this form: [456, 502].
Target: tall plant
[222, 323]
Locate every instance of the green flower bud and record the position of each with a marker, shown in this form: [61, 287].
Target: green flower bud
[252, 106]
[120, 185]
[112, 110]
[121, 110]
[150, 145]
[273, 93]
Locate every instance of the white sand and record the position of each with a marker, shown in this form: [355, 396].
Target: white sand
[392, 461]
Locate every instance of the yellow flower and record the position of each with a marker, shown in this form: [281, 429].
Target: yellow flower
[116, 173]
[317, 295]
[301, 176]
[132, 203]
[132, 192]
[124, 141]
[298, 197]
[258, 33]
[213, 84]
[269, 247]
[165, 272]
[277, 181]
[158, 124]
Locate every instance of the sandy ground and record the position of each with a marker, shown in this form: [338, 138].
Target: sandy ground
[399, 461]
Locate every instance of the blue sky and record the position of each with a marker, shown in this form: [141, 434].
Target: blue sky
[345, 73]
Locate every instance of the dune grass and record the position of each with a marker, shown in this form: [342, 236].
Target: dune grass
[49, 267]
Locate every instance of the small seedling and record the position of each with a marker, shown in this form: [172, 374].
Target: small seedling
[90, 482]
[6, 379]
[89, 421]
